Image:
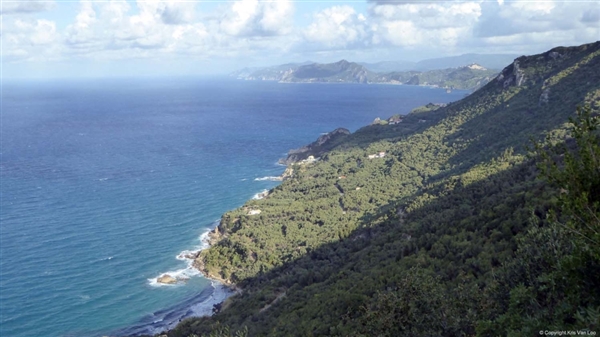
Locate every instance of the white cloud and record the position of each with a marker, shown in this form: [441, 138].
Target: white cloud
[81, 32]
[524, 27]
[27, 6]
[242, 29]
[428, 24]
[44, 32]
[257, 18]
[168, 29]
[277, 17]
[107, 30]
[29, 39]
[173, 12]
[115, 11]
[484, 26]
[337, 27]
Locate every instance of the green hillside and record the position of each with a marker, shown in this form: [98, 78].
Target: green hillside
[452, 230]
[342, 71]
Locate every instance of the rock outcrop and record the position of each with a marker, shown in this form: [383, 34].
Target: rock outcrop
[512, 75]
[544, 97]
[287, 174]
[166, 279]
[321, 145]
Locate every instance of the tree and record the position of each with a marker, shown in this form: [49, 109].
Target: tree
[575, 169]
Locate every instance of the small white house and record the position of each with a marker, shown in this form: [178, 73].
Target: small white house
[394, 120]
[377, 155]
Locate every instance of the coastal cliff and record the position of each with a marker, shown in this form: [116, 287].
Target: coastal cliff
[323, 144]
[302, 155]
[214, 236]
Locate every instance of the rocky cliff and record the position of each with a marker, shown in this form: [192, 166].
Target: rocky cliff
[316, 148]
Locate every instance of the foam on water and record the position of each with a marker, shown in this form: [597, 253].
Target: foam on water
[260, 195]
[205, 308]
[268, 178]
[184, 274]
[181, 275]
[200, 305]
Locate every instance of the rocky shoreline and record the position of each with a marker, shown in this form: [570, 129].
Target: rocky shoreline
[209, 238]
[214, 236]
[301, 156]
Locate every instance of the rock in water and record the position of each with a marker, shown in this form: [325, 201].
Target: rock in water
[166, 279]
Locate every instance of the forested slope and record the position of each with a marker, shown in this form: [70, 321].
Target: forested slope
[451, 232]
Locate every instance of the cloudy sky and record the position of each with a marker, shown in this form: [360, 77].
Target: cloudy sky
[64, 38]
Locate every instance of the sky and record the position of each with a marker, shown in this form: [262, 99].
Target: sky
[106, 38]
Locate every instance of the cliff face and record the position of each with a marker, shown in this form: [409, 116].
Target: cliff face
[316, 148]
[512, 75]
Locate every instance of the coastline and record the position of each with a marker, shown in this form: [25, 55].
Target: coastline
[208, 302]
[223, 289]
[201, 305]
[212, 237]
[181, 276]
[434, 86]
[215, 235]
[195, 264]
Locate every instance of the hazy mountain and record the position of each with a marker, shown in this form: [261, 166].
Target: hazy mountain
[490, 61]
[389, 66]
[272, 73]
[341, 71]
[466, 77]
[471, 77]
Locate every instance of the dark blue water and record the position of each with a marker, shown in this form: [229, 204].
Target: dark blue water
[104, 183]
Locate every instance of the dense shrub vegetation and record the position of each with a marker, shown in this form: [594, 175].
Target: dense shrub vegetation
[459, 229]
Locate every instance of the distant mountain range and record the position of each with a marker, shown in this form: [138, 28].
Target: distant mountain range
[489, 61]
[470, 77]
[389, 66]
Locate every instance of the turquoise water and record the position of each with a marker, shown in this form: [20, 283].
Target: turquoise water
[104, 183]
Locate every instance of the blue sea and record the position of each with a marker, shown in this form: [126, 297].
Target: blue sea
[105, 182]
